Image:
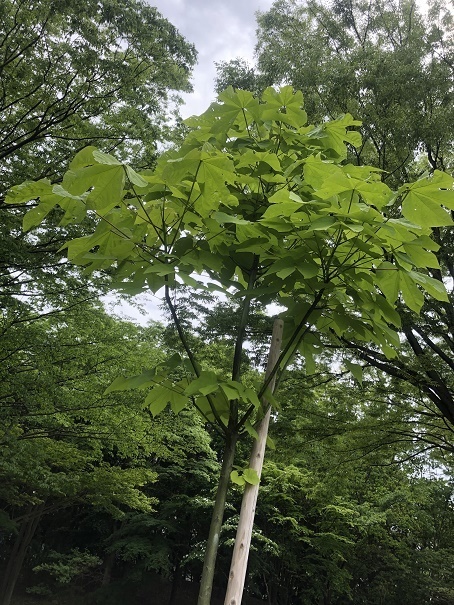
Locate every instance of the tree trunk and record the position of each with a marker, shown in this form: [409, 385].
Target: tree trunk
[175, 584]
[109, 563]
[206, 583]
[16, 559]
[240, 555]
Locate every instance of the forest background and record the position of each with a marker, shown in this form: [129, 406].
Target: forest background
[101, 501]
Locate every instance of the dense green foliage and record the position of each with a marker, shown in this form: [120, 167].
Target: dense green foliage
[106, 491]
[339, 518]
[264, 205]
[67, 449]
[388, 63]
[74, 73]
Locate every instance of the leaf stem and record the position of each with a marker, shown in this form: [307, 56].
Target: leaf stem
[189, 353]
[295, 337]
[243, 321]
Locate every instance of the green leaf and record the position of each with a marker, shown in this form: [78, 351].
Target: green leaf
[229, 390]
[250, 476]
[121, 383]
[388, 311]
[217, 169]
[412, 295]
[36, 215]
[336, 135]
[269, 398]
[387, 277]
[270, 443]
[29, 190]
[307, 350]
[356, 370]
[421, 257]
[83, 158]
[424, 200]
[250, 429]
[135, 178]
[105, 158]
[284, 105]
[222, 217]
[108, 190]
[432, 286]
[252, 396]
[236, 478]
[158, 398]
[308, 269]
[322, 223]
[190, 281]
[281, 196]
[317, 171]
[206, 383]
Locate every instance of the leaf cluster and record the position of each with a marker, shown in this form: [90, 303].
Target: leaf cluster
[261, 206]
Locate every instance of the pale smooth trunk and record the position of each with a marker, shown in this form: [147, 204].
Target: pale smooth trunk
[240, 555]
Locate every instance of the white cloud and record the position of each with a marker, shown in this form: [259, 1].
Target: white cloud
[220, 31]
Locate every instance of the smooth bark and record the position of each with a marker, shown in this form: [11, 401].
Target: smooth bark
[209, 563]
[240, 555]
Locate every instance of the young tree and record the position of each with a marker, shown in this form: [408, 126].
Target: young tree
[264, 207]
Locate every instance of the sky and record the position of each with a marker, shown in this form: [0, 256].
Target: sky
[220, 30]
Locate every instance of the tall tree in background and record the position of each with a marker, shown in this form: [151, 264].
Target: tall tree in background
[58, 435]
[340, 520]
[385, 62]
[68, 449]
[73, 73]
[77, 72]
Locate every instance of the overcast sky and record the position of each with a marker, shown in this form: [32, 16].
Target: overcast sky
[221, 30]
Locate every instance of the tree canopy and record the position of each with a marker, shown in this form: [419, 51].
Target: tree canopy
[386, 62]
[390, 64]
[74, 73]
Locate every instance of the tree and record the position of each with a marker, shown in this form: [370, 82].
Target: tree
[348, 503]
[262, 204]
[385, 62]
[360, 531]
[72, 74]
[59, 434]
[77, 73]
[238, 74]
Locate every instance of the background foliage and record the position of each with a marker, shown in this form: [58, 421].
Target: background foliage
[99, 500]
